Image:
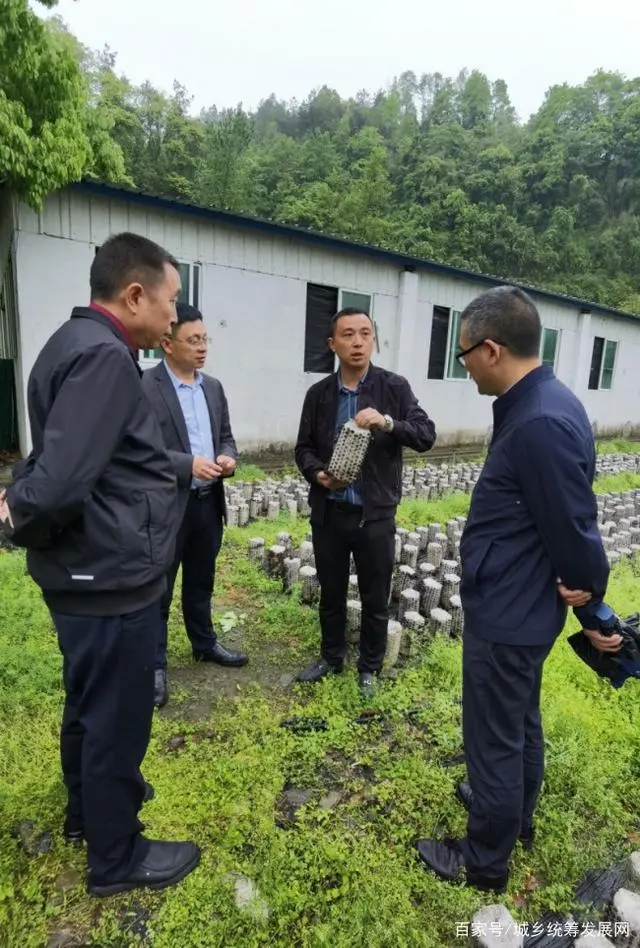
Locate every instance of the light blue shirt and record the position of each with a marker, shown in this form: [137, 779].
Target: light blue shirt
[196, 417]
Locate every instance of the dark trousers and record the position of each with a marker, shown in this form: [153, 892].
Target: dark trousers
[106, 725]
[197, 546]
[503, 746]
[373, 548]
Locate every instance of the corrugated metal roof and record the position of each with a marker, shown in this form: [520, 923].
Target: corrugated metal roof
[336, 243]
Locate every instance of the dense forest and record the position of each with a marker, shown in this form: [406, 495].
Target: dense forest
[431, 166]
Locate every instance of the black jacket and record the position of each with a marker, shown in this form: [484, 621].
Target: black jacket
[95, 501]
[160, 391]
[391, 395]
[533, 518]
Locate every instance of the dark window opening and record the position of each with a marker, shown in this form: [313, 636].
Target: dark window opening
[596, 363]
[322, 305]
[438, 347]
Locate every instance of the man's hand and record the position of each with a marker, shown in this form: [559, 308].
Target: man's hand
[370, 418]
[227, 464]
[576, 598]
[604, 643]
[329, 483]
[5, 513]
[205, 470]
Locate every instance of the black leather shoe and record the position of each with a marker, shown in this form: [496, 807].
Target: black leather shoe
[443, 858]
[164, 865]
[527, 837]
[75, 836]
[464, 794]
[161, 689]
[221, 656]
[367, 683]
[318, 669]
[149, 792]
[497, 884]
[446, 860]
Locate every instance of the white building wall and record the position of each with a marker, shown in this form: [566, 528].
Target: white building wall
[52, 276]
[253, 296]
[618, 407]
[461, 414]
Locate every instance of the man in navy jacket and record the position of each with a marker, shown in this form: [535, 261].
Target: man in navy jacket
[530, 548]
[96, 506]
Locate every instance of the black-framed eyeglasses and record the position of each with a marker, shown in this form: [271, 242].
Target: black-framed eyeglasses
[460, 356]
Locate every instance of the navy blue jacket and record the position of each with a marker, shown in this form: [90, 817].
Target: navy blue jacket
[533, 517]
[95, 503]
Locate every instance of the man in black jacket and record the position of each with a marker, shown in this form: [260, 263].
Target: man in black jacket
[530, 547]
[358, 518]
[95, 504]
[194, 416]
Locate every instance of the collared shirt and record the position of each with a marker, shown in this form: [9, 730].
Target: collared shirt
[348, 409]
[196, 417]
[119, 325]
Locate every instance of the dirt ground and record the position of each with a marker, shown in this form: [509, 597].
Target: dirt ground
[270, 666]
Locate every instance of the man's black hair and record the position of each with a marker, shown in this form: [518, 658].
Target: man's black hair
[507, 315]
[347, 311]
[187, 313]
[124, 259]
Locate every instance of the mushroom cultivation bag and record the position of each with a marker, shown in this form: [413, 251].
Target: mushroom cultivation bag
[349, 452]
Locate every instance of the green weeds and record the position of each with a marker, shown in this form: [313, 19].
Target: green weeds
[329, 875]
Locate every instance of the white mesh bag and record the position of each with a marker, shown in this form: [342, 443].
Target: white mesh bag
[349, 452]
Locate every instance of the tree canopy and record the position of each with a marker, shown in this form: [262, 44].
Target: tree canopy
[431, 166]
[50, 133]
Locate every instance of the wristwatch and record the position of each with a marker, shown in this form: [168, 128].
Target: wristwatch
[388, 423]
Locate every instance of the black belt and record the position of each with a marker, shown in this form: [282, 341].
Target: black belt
[342, 506]
[199, 492]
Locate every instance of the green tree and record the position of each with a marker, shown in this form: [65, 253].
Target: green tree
[222, 179]
[475, 100]
[433, 166]
[48, 134]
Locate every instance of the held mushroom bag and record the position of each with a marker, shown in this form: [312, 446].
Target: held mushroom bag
[349, 452]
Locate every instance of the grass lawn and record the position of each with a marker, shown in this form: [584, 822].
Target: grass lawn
[341, 869]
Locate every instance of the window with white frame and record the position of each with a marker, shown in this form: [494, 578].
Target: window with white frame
[349, 299]
[549, 347]
[190, 293]
[603, 363]
[323, 302]
[445, 333]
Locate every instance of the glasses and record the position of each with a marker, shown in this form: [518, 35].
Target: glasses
[460, 356]
[194, 342]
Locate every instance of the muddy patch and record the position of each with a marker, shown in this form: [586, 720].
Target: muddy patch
[271, 666]
[288, 804]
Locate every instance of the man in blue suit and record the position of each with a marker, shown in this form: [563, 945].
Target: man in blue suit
[192, 409]
[530, 548]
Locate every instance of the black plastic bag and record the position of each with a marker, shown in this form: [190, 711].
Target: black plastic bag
[614, 666]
